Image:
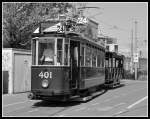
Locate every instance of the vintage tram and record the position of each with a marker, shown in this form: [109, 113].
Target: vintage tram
[114, 69]
[67, 64]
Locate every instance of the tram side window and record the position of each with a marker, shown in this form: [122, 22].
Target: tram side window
[88, 56]
[66, 52]
[94, 57]
[82, 55]
[33, 51]
[98, 58]
[113, 62]
[102, 59]
[110, 62]
[46, 52]
[120, 64]
[116, 63]
[59, 51]
[103, 62]
[106, 62]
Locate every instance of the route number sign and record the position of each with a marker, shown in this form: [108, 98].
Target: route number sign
[82, 20]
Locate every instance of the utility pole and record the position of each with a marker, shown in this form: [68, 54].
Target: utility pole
[131, 51]
[136, 63]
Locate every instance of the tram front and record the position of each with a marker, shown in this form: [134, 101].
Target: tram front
[50, 72]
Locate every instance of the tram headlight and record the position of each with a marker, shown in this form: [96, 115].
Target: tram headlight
[45, 83]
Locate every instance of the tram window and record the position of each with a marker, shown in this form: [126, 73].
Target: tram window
[102, 59]
[33, 51]
[103, 63]
[66, 53]
[82, 55]
[109, 62]
[59, 51]
[94, 58]
[113, 62]
[46, 52]
[76, 54]
[98, 59]
[88, 56]
[116, 63]
[120, 64]
[106, 62]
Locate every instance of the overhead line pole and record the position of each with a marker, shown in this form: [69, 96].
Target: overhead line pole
[131, 51]
[136, 63]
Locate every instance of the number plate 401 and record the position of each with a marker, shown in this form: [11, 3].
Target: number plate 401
[45, 75]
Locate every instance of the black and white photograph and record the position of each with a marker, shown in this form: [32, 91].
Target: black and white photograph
[74, 59]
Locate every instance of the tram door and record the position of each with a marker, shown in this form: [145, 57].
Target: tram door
[74, 63]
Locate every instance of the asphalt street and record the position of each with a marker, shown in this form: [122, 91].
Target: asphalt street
[130, 99]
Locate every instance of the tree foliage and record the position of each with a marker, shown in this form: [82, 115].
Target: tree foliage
[20, 19]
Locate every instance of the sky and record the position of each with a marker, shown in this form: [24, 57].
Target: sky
[116, 19]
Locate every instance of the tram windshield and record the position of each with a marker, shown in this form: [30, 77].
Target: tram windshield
[50, 51]
[46, 52]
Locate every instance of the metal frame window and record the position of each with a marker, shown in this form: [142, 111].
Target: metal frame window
[33, 47]
[61, 51]
[66, 52]
[94, 57]
[88, 58]
[46, 51]
[82, 55]
[106, 62]
[98, 58]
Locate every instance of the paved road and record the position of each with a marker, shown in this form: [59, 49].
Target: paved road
[131, 99]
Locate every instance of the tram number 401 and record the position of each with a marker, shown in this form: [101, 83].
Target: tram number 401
[45, 75]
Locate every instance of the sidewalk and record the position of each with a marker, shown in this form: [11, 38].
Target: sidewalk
[15, 94]
[13, 98]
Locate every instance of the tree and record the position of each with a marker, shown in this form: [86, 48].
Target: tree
[20, 19]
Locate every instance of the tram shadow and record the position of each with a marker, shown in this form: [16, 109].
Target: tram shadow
[113, 88]
[44, 103]
[97, 94]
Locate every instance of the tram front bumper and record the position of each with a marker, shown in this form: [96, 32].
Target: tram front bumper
[49, 93]
[48, 96]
